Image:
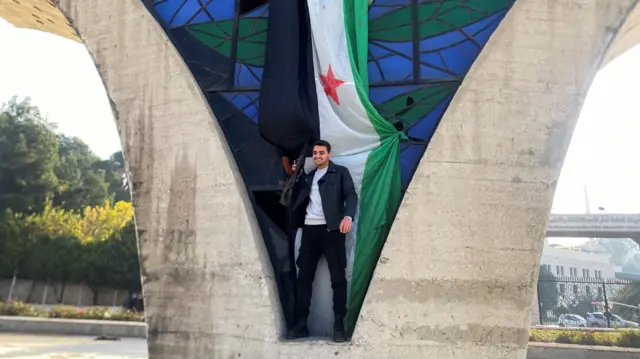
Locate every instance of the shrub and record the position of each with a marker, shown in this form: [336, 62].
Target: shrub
[97, 313]
[629, 338]
[621, 338]
[19, 309]
[69, 312]
[127, 315]
[63, 311]
[542, 336]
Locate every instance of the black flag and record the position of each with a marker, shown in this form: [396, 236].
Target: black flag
[288, 112]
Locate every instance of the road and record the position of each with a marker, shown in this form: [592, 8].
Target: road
[28, 346]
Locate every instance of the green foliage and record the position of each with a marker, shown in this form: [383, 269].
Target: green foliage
[624, 252]
[80, 184]
[55, 259]
[127, 316]
[114, 169]
[97, 313]
[65, 214]
[65, 311]
[47, 251]
[19, 309]
[17, 242]
[68, 312]
[632, 262]
[629, 339]
[28, 157]
[628, 295]
[619, 338]
[113, 262]
[93, 224]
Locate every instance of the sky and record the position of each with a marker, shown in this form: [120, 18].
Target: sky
[60, 77]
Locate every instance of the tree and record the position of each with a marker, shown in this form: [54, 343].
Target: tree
[102, 222]
[620, 249]
[582, 305]
[80, 182]
[60, 245]
[95, 224]
[55, 260]
[113, 263]
[16, 242]
[65, 214]
[124, 249]
[115, 176]
[547, 291]
[28, 155]
[628, 294]
[632, 263]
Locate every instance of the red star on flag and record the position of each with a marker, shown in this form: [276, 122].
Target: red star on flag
[331, 85]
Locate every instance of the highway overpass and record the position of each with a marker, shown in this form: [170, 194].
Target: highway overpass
[595, 225]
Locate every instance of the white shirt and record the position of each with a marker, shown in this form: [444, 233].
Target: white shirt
[315, 213]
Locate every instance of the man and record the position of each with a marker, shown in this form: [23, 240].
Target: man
[324, 206]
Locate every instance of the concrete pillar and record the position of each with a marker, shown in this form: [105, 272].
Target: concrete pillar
[459, 270]
[457, 275]
[208, 286]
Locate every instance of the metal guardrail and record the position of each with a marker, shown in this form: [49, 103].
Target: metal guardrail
[579, 296]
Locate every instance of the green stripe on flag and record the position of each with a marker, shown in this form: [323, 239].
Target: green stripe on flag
[381, 183]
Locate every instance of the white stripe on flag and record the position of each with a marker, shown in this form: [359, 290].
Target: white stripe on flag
[345, 124]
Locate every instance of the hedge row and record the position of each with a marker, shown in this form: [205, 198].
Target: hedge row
[68, 312]
[618, 338]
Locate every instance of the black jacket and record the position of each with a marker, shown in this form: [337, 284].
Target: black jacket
[339, 198]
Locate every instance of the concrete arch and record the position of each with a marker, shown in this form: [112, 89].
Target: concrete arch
[487, 184]
[627, 37]
[456, 276]
[199, 277]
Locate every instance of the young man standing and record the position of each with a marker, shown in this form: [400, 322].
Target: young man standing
[324, 206]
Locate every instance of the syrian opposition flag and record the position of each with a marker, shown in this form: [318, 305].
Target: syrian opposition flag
[331, 38]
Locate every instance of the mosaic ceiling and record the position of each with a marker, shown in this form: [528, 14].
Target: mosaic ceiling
[419, 52]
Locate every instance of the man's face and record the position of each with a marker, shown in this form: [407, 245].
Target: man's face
[321, 156]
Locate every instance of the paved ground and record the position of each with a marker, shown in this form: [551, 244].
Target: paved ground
[18, 346]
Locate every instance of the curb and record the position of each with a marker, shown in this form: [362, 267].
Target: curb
[588, 329]
[566, 351]
[107, 328]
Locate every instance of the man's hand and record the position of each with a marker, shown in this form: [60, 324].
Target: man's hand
[345, 225]
[294, 167]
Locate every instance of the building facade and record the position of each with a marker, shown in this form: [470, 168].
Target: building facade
[577, 262]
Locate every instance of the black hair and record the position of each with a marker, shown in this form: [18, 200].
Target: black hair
[323, 143]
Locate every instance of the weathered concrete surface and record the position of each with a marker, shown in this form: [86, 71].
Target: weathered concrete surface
[457, 275]
[627, 36]
[460, 267]
[207, 282]
[72, 327]
[564, 351]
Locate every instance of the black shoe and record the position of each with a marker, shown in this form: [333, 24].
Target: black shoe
[297, 332]
[339, 336]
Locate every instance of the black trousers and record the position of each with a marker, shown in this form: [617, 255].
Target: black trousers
[317, 241]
